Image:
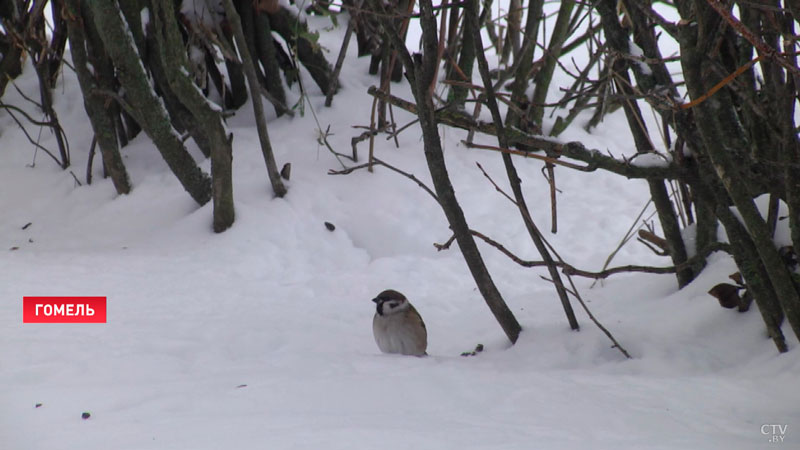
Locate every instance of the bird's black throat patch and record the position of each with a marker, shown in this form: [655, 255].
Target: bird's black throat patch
[381, 302]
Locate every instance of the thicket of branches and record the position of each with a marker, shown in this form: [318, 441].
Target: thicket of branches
[174, 70]
[727, 114]
[721, 76]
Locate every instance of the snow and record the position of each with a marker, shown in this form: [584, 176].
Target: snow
[638, 54]
[144, 16]
[260, 337]
[782, 236]
[650, 160]
[689, 235]
[205, 13]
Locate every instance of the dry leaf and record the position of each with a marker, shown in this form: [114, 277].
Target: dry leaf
[267, 6]
[727, 294]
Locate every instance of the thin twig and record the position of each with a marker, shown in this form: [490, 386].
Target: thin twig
[761, 46]
[322, 139]
[120, 100]
[30, 139]
[595, 159]
[275, 102]
[569, 269]
[90, 161]
[393, 124]
[551, 178]
[372, 135]
[608, 334]
[30, 119]
[397, 131]
[76, 178]
[722, 83]
[351, 23]
[377, 161]
[530, 155]
[561, 263]
[628, 236]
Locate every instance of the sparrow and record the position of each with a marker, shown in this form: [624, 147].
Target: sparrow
[397, 326]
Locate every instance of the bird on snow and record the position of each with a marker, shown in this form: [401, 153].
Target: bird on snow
[397, 326]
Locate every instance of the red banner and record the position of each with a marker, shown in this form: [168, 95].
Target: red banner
[64, 310]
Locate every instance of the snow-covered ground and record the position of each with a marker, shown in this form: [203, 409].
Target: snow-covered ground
[260, 337]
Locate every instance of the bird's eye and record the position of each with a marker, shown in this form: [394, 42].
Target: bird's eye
[394, 304]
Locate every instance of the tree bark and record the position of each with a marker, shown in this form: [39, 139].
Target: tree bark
[545, 75]
[421, 71]
[151, 115]
[618, 40]
[511, 42]
[291, 29]
[99, 116]
[266, 54]
[278, 187]
[723, 141]
[207, 116]
[466, 61]
[511, 171]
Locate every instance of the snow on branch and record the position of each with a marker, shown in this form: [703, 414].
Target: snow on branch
[594, 159]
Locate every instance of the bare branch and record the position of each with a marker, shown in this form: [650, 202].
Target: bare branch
[763, 48]
[575, 150]
[390, 167]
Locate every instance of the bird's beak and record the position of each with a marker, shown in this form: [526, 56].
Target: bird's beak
[376, 300]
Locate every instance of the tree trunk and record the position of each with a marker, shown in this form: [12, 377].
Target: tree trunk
[421, 71]
[255, 92]
[266, 54]
[618, 40]
[292, 29]
[466, 61]
[149, 109]
[723, 141]
[545, 75]
[102, 122]
[511, 171]
[207, 116]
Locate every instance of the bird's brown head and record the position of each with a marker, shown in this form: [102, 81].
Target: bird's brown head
[390, 302]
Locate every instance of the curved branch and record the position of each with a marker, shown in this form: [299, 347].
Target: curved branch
[390, 167]
[28, 136]
[569, 269]
[594, 158]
